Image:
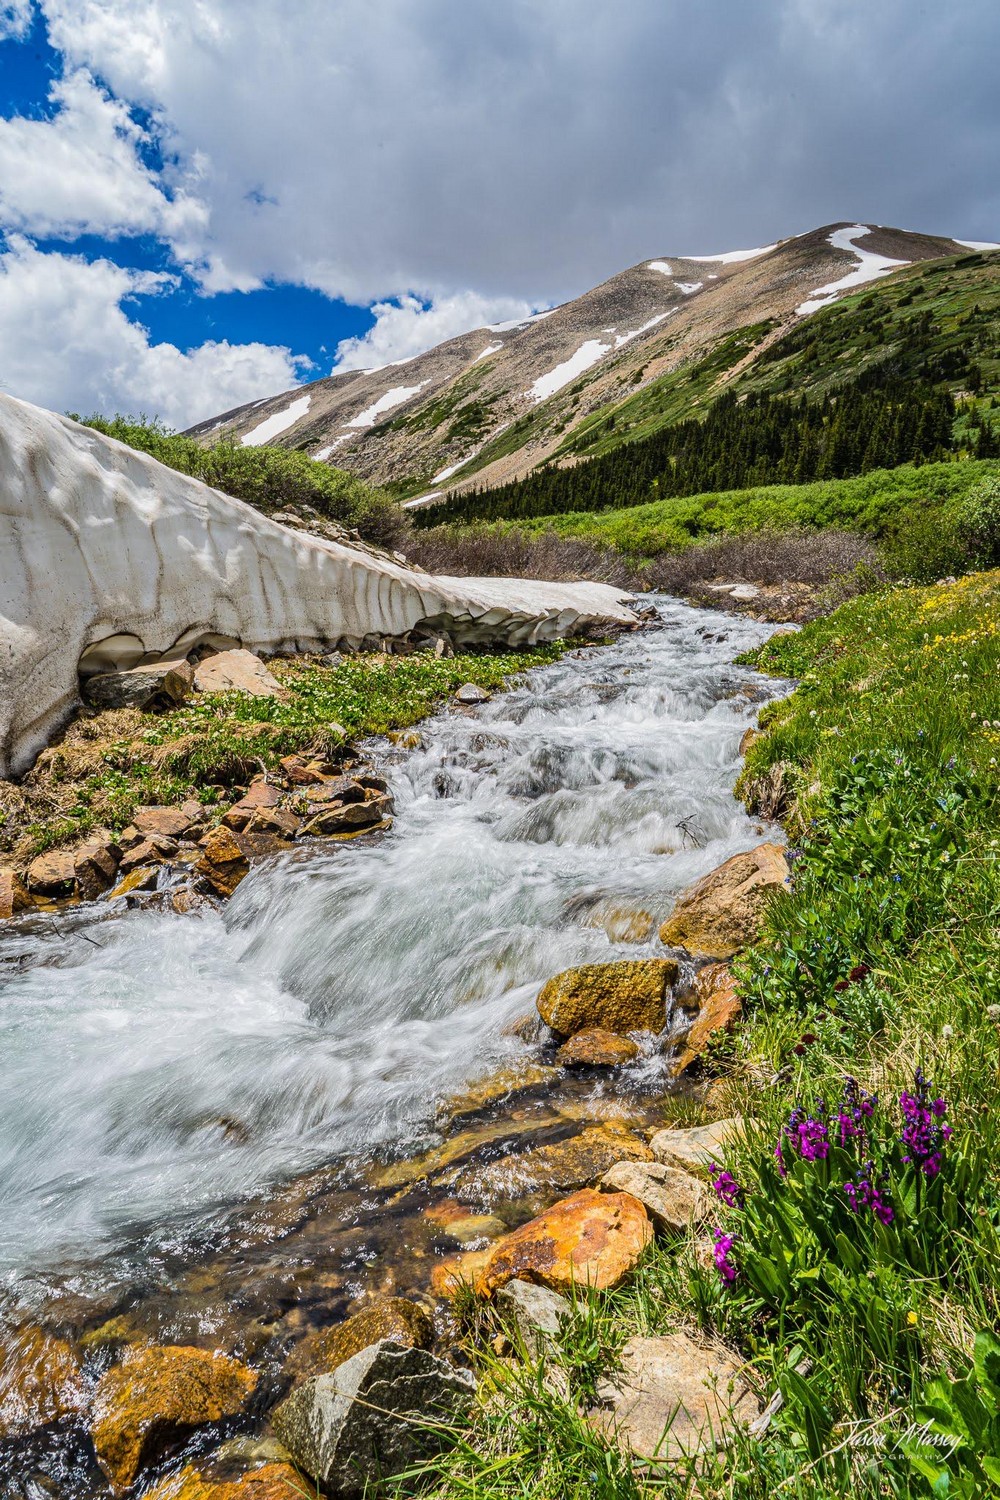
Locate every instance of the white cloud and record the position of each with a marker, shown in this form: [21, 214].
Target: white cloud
[15, 18]
[406, 328]
[80, 172]
[66, 343]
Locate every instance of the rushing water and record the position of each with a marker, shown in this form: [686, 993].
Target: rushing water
[155, 1068]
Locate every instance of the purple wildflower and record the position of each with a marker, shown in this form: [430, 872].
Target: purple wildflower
[870, 1192]
[855, 1110]
[782, 1169]
[723, 1245]
[923, 1135]
[725, 1185]
[807, 1134]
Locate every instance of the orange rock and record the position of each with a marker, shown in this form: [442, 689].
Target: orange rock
[596, 1048]
[14, 896]
[719, 1010]
[448, 1276]
[722, 913]
[276, 1481]
[52, 873]
[40, 1381]
[620, 997]
[395, 1318]
[156, 1398]
[170, 822]
[143, 879]
[591, 1239]
[260, 794]
[223, 863]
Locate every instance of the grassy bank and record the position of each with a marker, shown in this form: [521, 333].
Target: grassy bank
[106, 765]
[856, 1264]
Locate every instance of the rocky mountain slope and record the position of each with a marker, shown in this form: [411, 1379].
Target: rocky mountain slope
[491, 405]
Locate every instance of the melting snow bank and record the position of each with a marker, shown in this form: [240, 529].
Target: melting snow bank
[279, 422]
[869, 268]
[110, 559]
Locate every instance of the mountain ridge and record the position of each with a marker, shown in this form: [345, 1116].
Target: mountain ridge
[491, 405]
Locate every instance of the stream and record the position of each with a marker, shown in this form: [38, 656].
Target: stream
[182, 1094]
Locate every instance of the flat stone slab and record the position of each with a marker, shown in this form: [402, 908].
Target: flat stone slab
[697, 1147]
[673, 1198]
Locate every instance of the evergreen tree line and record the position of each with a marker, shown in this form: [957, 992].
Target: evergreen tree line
[879, 420]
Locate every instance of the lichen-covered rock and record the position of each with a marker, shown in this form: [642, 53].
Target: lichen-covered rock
[673, 1396]
[267, 1481]
[722, 913]
[156, 1398]
[15, 897]
[52, 873]
[223, 863]
[142, 879]
[695, 1147]
[236, 671]
[536, 1312]
[169, 822]
[672, 1198]
[456, 1271]
[379, 1412]
[718, 1004]
[591, 1239]
[596, 1048]
[40, 1382]
[349, 818]
[396, 1318]
[620, 997]
[469, 694]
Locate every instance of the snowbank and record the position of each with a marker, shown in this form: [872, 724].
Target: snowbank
[109, 559]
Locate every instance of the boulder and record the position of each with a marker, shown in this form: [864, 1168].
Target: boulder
[672, 1198]
[40, 1382]
[170, 822]
[148, 851]
[158, 684]
[673, 1396]
[560, 1167]
[260, 795]
[277, 822]
[95, 865]
[156, 1399]
[378, 1413]
[456, 1271]
[749, 737]
[236, 671]
[266, 1481]
[222, 864]
[142, 879]
[14, 894]
[297, 770]
[591, 1239]
[596, 1048]
[397, 1318]
[723, 912]
[52, 873]
[619, 997]
[535, 1313]
[469, 694]
[349, 819]
[338, 789]
[697, 1147]
[718, 1011]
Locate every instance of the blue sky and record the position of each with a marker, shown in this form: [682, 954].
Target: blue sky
[204, 202]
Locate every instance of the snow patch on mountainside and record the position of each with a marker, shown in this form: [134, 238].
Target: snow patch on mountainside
[626, 338]
[689, 287]
[278, 423]
[490, 349]
[730, 257]
[978, 244]
[869, 268]
[661, 266]
[553, 380]
[395, 397]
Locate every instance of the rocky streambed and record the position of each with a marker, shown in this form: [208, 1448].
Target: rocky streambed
[228, 1131]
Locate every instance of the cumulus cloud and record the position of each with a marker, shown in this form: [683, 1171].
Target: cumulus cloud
[80, 172]
[15, 18]
[407, 327]
[66, 342]
[529, 148]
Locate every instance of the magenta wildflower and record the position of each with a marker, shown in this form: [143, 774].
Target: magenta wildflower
[807, 1134]
[725, 1185]
[870, 1192]
[923, 1134]
[723, 1244]
[856, 1108]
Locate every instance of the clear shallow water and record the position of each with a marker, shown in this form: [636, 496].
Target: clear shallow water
[155, 1068]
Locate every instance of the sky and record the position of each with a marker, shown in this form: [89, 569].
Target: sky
[205, 202]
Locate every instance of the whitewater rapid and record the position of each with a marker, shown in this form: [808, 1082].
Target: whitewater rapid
[155, 1069]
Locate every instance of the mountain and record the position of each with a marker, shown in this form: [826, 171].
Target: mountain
[647, 348]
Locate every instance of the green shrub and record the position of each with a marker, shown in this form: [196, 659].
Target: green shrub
[976, 518]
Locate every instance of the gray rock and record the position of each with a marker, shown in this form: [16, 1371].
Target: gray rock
[157, 683]
[470, 694]
[238, 670]
[745, 592]
[673, 1198]
[697, 1147]
[535, 1312]
[379, 1412]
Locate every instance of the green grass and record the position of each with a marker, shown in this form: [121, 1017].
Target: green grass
[874, 503]
[885, 956]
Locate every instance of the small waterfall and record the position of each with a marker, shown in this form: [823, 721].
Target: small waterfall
[156, 1068]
